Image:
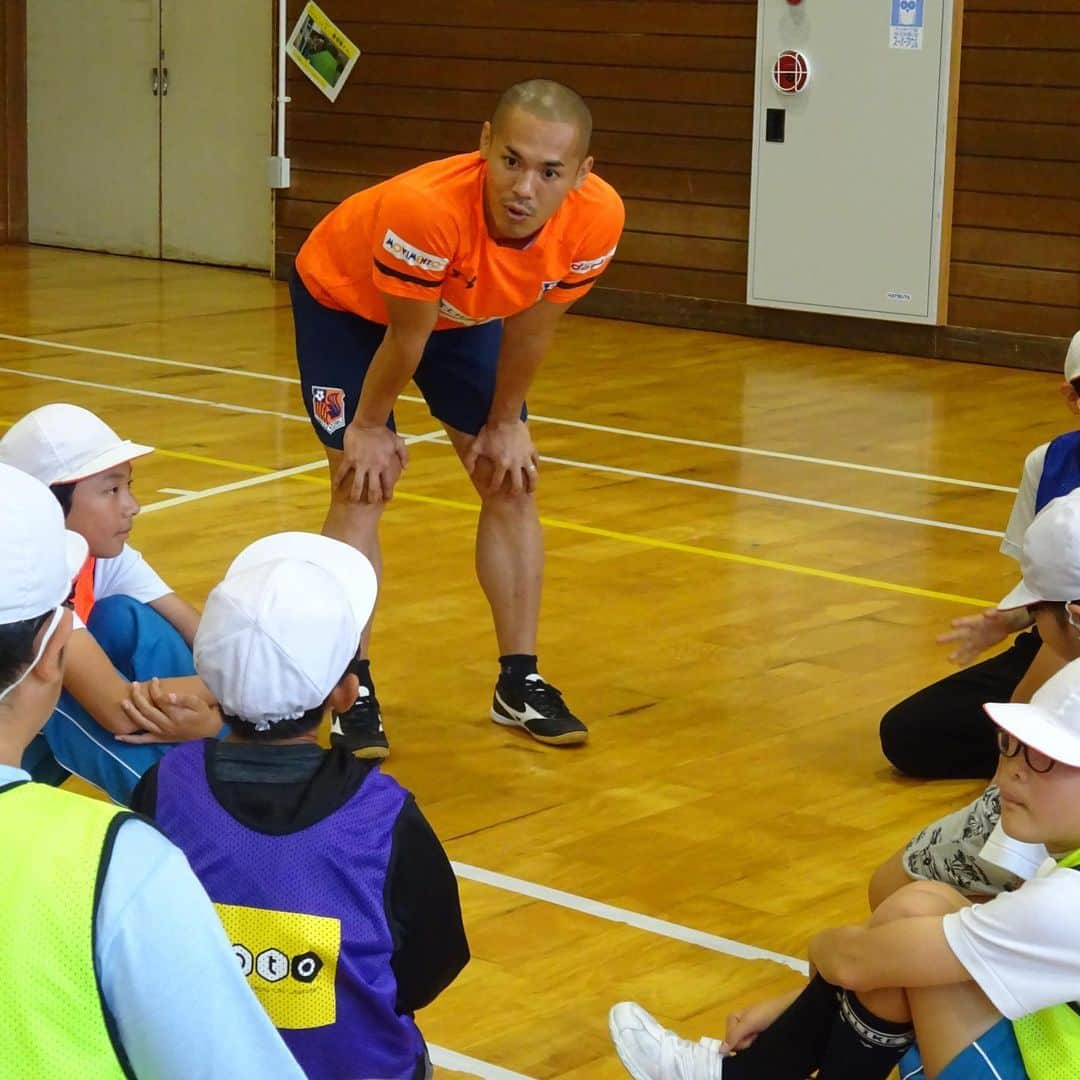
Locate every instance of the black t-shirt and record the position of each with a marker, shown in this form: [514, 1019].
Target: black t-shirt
[282, 789]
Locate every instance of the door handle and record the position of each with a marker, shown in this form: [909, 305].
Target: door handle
[164, 81]
[155, 81]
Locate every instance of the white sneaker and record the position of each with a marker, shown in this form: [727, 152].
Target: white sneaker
[650, 1052]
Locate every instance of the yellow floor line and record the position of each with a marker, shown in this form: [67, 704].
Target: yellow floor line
[631, 538]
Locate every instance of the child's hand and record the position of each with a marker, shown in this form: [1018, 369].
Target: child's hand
[744, 1026]
[167, 717]
[974, 634]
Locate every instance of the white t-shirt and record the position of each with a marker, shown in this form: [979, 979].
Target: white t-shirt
[1023, 510]
[127, 574]
[1022, 948]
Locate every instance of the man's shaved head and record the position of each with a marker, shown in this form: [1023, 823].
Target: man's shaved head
[549, 101]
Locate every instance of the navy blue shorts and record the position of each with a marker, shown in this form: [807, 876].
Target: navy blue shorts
[334, 349]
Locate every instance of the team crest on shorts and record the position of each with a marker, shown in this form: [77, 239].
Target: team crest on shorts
[328, 405]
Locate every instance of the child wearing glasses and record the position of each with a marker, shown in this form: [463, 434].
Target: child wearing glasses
[958, 991]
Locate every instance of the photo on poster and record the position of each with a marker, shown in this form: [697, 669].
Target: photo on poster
[321, 51]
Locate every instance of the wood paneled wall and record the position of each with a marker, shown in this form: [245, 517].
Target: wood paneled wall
[1016, 211]
[671, 85]
[12, 121]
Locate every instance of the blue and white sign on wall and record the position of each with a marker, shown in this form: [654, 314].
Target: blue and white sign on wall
[906, 24]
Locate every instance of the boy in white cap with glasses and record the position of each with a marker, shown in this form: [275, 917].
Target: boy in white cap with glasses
[941, 730]
[991, 990]
[130, 626]
[967, 849]
[112, 961]
[339, 900]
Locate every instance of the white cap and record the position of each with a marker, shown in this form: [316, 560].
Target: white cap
[60, 444]
[1050, 722]
[1050, 557]
[278, 633]
[1072, 358]
[39, 558]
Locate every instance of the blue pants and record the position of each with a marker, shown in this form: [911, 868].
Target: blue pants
[141, 644]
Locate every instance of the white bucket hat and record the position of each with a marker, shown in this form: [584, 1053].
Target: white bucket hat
[1050, 557]
[59, 444]
[39, 558]
[1050, 722]
[1072, 358]
[279, 631]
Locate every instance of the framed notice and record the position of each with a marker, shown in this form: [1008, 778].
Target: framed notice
[321, 51]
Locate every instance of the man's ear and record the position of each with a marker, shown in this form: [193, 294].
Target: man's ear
[344, 695]
[1072, 399]
[485, 139]
[50, 668]
[583, 171]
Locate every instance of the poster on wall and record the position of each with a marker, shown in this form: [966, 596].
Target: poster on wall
[321, 51]
[906, 24]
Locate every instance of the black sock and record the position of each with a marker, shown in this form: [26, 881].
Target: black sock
[861, 1044]
[794, 1044]
[517, 665]
[362, 670]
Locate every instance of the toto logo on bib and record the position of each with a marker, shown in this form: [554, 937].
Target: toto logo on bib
[791, 72]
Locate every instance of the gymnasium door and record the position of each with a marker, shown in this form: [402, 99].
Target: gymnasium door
[148, 128]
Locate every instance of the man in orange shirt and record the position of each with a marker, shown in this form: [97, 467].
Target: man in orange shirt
[455, 274]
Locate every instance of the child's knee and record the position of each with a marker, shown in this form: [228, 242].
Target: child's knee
[919, 898]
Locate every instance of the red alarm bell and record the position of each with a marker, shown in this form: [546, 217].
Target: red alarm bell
[791, 72]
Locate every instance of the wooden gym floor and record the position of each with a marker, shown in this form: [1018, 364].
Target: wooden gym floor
[750, 548]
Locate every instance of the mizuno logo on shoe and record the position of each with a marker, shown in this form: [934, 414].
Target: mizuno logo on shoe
[522, 716]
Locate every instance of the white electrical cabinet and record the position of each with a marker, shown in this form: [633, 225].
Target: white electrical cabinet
[847, 188]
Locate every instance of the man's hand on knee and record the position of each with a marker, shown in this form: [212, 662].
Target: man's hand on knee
[508, 450]
[372, 460]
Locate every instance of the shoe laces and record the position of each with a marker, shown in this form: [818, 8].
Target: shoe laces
[540, 693]
[681, 1059]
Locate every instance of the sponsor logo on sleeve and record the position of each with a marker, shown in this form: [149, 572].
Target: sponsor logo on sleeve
[585, 265]
[448, 311]
[413, 256]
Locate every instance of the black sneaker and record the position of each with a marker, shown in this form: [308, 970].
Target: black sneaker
[359, 729]
[538, 707]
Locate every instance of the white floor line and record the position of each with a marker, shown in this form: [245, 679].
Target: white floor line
[582, 424]
[236, 485]
[175, 491]
[781, 455]
[599, 910]
[819, 503]
[155, 394]
[67, 347]
[263, 478]
[437, 436]
[451, 1059]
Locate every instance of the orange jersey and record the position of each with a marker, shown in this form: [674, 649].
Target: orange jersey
[422, 236]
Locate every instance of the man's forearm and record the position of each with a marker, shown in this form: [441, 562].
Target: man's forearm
[392, 366]
[519, 360]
